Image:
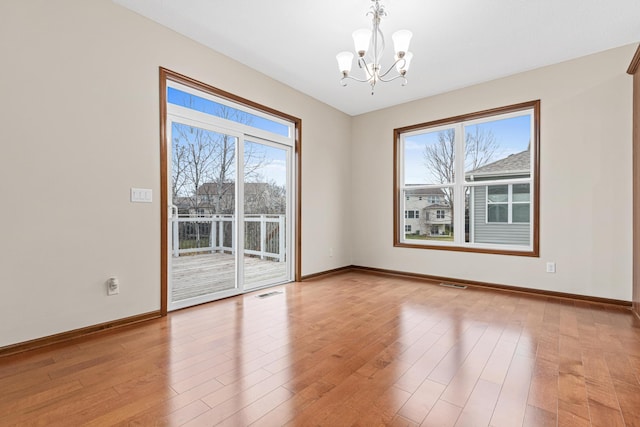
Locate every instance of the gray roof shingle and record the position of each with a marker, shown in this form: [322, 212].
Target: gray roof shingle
[514, 164]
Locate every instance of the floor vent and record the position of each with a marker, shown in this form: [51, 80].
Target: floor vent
[269, 294]
[453, 285]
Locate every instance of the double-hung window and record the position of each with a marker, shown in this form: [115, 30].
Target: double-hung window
[481, 171]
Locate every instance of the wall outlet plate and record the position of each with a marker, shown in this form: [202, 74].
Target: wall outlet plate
[113, 286]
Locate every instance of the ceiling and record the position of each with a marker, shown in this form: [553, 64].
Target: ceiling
[456, 43]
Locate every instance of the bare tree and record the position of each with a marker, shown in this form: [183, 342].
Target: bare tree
[204, 169]
[480, 148]
[439, 158]
[193, 155]
[179, 165]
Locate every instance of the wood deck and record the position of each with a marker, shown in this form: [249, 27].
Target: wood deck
[196, 275]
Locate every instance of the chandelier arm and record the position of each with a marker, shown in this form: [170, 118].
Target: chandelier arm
[399, 76]
[392, 67]
[344, 83]
[362, 63]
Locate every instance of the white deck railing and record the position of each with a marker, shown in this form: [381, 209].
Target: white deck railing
[215, 234]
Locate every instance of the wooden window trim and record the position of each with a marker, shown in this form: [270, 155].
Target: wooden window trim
[535, 167]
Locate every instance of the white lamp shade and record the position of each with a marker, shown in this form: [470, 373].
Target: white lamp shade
[361, 40]
[404, 65]
[401, 40]
[345, 61]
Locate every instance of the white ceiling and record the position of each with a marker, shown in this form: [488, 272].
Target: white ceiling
[456, 43]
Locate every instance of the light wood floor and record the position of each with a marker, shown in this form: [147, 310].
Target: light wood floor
[351, 349]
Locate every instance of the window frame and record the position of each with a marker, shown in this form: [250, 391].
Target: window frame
[409, 212]
[461, 245]
[510, 203]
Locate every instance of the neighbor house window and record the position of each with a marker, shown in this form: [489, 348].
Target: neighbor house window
[407, 229]
[411, 214]
[482, 170]
[508, 203]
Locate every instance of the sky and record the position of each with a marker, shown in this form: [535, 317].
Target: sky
[512, 136]
[272, 161]
[274, 166]
[183, 99]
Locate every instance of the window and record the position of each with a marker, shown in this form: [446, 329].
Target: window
[411, 214]
[407, 229]
[482, 171]
[508, 203]
[186, 98]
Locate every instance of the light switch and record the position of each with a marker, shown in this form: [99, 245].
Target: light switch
[141, 195]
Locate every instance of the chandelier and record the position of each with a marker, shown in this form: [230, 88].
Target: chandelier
[369, 45]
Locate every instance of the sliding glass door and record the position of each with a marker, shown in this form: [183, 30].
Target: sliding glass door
[265, 213]
[203, 213]
[229, 178]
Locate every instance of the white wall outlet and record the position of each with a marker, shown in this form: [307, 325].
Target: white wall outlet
[113, 286]
[330, 252]
[551, 267]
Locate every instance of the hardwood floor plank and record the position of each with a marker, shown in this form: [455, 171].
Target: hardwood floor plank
[422, 401]
[497, 366]
[449, 365]
[173, 406]
[236, 388]
[629, 399]
[512, 402]
[480, 405]
[400, 421]
[293, 407]
[257, 409]
[461, 386]
[56, 411]
[384, 408]
[351, 349]
[543, 393]
[537, 417]
[443, 414]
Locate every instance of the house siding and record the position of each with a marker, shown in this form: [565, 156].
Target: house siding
[507, 234]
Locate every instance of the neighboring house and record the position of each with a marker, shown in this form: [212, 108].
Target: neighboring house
[501, 213]
[211, 198]
[427, 212]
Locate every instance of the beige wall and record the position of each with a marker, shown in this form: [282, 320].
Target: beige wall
[585, 179]
[79, 91]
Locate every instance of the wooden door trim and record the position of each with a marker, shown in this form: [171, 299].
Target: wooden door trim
[165, 75]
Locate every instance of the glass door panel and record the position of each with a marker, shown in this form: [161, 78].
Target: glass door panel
[266, 201]
[202, 227]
